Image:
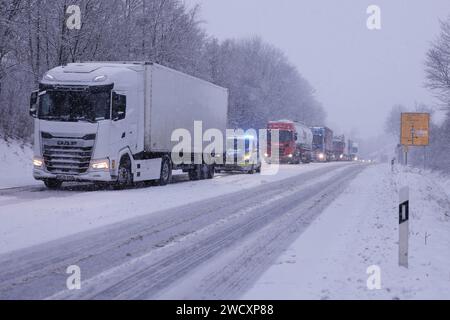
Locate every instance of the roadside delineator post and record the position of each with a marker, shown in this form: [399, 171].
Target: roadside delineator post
[403, 242]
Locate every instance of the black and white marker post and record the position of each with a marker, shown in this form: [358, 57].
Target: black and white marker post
[403, 242]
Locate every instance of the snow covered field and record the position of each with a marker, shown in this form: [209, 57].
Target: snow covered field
[16, 169]
[359, 230]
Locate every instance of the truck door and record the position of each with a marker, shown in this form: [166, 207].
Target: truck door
[119, 128]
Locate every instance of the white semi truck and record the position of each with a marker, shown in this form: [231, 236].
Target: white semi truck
[113, 122]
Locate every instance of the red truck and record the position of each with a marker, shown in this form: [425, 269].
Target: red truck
[339, 149]
[295, 142]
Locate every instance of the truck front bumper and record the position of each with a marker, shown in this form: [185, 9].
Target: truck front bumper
[90, 176]
[281, 160]
[243, 167]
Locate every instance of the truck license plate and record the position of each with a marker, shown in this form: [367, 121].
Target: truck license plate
[65, 178]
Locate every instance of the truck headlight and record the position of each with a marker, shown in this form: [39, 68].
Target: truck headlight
[38, 162]
[247, 157]
[291, 156]
[100, 164]
[321, 156]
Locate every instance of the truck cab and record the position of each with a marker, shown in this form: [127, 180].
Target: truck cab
[353, 150]
[85, 120]
[339, 146]
[322, 144]
[294, 144]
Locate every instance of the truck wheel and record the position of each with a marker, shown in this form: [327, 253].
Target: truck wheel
[125, 178]
[211, 172]
[252, 170]
[196, 173]
[205, 171]
[166, 172]
[53, 184]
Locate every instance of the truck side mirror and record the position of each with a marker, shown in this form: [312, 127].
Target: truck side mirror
[119, 107]
[33, 103]
[296, 137]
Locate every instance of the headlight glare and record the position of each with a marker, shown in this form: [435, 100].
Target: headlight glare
[38, 162]
[100, 164]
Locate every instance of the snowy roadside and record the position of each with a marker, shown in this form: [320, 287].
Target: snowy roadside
[360, 230]
[17, 168]
[33, 217]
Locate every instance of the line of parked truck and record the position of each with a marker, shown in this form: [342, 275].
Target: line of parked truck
[119, 122]
[298, 143]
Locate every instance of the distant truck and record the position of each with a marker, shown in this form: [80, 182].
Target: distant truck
[353, 151]
[339, 148]
[242, 155]
[295, 141]
[113, 122]
[322, 144]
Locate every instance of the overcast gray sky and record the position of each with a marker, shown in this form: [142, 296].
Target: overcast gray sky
[358, 74]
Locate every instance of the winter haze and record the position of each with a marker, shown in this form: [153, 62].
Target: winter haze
[358, 74]
[124, 174]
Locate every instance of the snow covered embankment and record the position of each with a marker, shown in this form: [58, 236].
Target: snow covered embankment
[16, 164]
[359, 230]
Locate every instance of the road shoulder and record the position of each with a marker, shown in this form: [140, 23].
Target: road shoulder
[359, 230]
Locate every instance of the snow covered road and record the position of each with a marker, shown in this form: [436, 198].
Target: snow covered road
[158, 242]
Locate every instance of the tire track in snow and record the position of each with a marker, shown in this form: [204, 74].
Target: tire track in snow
[39, 272]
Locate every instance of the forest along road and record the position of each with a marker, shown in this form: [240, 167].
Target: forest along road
[210, 249]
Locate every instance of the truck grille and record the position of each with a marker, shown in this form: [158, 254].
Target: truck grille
[64, 155]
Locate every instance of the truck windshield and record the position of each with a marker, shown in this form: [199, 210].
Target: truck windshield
[74, 106]
[238, 143]
[285, 136]
[318, 140]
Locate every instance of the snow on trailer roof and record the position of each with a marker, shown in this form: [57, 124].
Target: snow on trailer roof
[95, 65]
[89, 74]
[288, 122]
[281, 121]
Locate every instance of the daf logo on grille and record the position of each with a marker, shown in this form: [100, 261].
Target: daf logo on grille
[67, 143]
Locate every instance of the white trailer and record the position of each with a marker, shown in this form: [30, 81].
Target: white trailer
[113, 122]
[304, 136]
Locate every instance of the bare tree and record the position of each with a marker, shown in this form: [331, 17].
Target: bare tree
[392, 125]
[9, 12]
[263, 84]
[438, 65]
[34, 38]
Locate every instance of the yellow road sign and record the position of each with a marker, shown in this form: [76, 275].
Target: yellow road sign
[415, 129]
